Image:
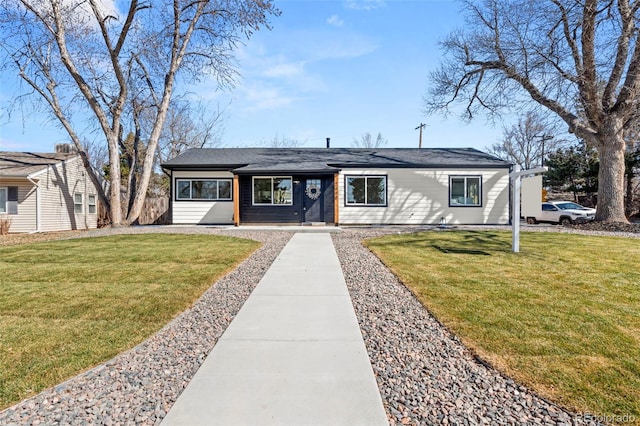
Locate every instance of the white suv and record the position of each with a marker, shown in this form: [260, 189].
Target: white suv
[564, 213]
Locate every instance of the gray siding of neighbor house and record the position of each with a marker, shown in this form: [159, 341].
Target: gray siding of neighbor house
[421, 197]
[24, 221]
[57, 186]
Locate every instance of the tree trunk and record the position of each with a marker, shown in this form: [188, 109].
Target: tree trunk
[611, 149]
[114, 181]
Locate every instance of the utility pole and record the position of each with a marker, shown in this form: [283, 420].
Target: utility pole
[421, 126]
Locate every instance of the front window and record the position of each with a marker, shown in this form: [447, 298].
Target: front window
[77, 202]
[272, 190]
[3, 200]
[203, 189]
[465, 191]
[91, 201]
[366, 190]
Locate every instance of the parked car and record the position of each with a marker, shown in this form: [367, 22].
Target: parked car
[564, 213]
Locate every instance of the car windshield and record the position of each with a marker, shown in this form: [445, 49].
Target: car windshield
[567, 206]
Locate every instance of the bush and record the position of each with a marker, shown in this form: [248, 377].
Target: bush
[5, 224]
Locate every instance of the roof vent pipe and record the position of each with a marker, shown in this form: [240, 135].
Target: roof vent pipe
[328, 142]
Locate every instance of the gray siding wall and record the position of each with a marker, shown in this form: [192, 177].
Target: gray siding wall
[25, 220]
[421, 196]
[57, 186]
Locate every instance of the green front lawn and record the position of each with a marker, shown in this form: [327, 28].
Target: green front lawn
[562, 316]
[66, 306]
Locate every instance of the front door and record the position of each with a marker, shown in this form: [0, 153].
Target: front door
[313, 204]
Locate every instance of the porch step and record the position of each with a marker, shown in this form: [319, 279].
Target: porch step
[314, 224]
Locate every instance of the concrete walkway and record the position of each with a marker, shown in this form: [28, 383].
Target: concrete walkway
[293, 355]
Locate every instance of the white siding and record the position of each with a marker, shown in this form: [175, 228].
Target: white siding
[421, 196]
[200, 212]
[25, 220]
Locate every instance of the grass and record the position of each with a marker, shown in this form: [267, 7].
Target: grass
[66, 306]
[562, 316]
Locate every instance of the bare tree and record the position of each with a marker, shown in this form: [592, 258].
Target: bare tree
[190, 127]
[558, 54]
[367, 141]
[282, 142]
[527, 142]
[80, 56]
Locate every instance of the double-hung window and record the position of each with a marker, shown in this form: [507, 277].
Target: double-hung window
[272, 191]
[78, 202]
[203, 189]
[366, 190]
[465, 191]
[91, 203]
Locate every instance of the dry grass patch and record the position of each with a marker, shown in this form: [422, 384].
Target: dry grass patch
[562, 316]
[66, 306]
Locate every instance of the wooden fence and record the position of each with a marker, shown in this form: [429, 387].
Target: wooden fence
[154, 212]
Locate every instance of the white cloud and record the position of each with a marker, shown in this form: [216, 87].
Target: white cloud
[364, 4]
[335, 20]
[286, 70]
[261, 98]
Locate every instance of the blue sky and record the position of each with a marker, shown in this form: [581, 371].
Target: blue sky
[332, 69]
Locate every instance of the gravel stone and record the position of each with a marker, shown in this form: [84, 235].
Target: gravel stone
[424, 373]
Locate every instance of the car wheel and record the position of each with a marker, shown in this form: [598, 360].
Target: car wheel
[531, 220]
[565, 221]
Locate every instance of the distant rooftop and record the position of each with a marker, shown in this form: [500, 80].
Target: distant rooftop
[23, 164]
[319, 160]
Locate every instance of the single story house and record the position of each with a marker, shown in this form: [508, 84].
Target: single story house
[42, 192]
[341, 186]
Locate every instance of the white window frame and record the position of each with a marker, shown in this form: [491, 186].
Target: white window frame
[92, 205]
[366, 178]
[272, 203]
[3, 208]
[76, 204]
[191, 180]
[466, 196]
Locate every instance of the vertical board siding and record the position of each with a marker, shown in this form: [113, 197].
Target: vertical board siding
[421, 197]
[200, 212]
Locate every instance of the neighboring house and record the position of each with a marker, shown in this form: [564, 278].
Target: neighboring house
[46, 192]
[346, 186]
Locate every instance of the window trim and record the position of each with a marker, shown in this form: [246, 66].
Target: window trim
[365, 204]
[465, 177]
[94, 204]
[5, 208]
[211, 200]
[272, 204]
[81, 203]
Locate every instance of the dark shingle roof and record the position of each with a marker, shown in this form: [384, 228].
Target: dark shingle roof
[23, 164]
[262, 160]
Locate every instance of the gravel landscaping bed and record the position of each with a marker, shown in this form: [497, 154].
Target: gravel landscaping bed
[425, 374]
[140, 385]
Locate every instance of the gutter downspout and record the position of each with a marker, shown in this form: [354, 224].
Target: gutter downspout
[38, 215]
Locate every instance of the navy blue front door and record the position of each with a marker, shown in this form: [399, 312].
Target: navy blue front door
[313, 200]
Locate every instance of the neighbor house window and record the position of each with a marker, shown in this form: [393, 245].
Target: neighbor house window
[203, 189]
[272, 190]
[77, 202]
[91, 201]
[465, 191]
[3, 200]
[366, 190]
